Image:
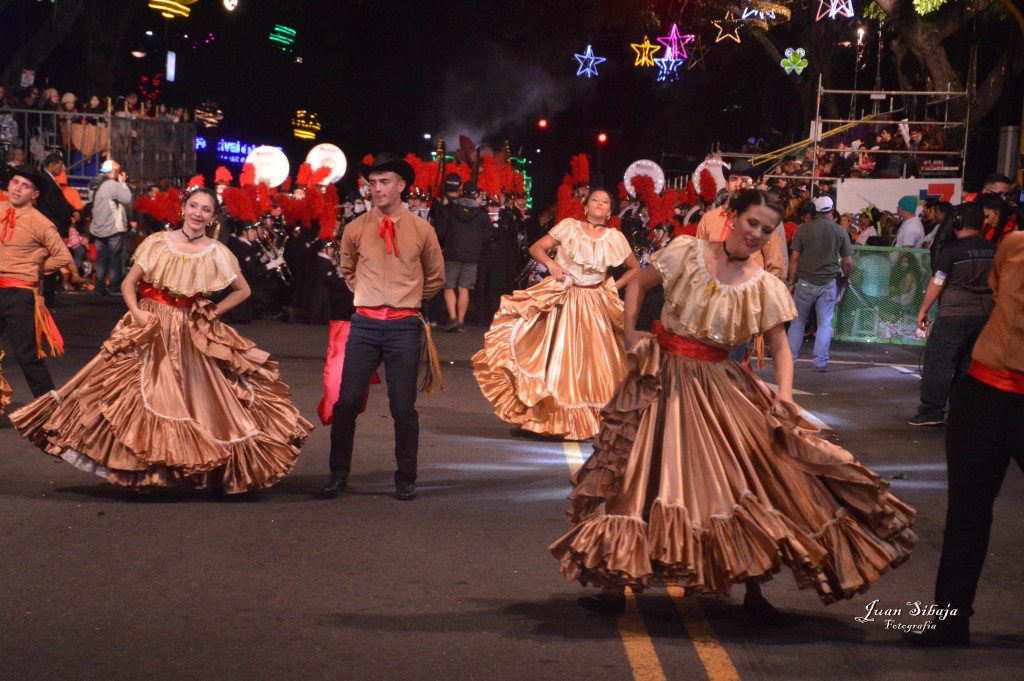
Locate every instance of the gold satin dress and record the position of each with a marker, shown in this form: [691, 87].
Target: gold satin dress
[184, 400]
[553, 355]
[698, 479]
[5, 387]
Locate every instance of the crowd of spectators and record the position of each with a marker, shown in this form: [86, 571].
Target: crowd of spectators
[92, 105]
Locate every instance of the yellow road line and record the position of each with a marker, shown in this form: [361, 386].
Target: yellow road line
[643, 659]
[573, 456]
[712, 655]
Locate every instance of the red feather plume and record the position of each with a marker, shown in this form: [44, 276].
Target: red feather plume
[222, 176]
[196, 181]
[248, 176]
[708, 187]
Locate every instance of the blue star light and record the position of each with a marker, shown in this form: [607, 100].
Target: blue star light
[668, 68]
[588, 62]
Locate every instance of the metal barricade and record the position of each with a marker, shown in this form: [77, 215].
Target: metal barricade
[885, 291]
[146, 149]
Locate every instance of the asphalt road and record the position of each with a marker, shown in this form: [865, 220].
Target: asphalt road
[457, 584]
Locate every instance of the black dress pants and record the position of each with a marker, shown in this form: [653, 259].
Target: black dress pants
[397, 342]
[18, 328]
[983, 432]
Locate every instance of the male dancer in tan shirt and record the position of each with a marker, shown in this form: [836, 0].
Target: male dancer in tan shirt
[29, 248]
[392, 262]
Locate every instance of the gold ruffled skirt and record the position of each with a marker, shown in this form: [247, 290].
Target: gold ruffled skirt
[5, 388]
[184, 401]
[699, 480]
[553, 357]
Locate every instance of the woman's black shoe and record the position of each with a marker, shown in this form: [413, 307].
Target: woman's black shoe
[763, 612]
[603, 604]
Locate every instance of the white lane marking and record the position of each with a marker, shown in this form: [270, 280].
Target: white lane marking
[905, 370]
[775, 388]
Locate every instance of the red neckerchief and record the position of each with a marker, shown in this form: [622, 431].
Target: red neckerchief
[387, 232]
[7, 225]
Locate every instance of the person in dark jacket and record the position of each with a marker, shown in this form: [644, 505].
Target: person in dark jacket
[499, 260]
[461, 235]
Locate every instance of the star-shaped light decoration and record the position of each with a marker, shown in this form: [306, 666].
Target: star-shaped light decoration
[668, 68]
[834, 8]
[645, 52]
[730, 19]
[697, 51]
[588, 62]
[795, 60]
[752, 11]
[675, 44]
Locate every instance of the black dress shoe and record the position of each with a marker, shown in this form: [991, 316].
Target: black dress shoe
[946, 633]
[405, 491]
[763, 612]
[333, 487]
[604, 603]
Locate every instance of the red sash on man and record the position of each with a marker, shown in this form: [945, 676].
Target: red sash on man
[45, 326]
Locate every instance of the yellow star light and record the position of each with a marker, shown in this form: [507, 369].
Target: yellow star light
[734, 34]
[645, 52]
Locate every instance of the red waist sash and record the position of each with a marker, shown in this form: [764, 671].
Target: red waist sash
[46, 328]
[687, 347]
[385, 313]
[165, 297]
[1001, 379]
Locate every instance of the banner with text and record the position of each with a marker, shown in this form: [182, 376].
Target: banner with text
[855, 194]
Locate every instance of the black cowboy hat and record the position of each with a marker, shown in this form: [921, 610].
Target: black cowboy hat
[743, 167]
[32, 175]
[385, 162]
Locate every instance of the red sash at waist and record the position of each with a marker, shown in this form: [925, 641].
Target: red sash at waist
[46, 328]
[165, 297]
[687, 347]
[385, 313]
[1000, 379]
[11, 282]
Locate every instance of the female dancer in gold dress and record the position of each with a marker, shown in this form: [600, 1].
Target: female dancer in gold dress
[701, 475]
[553, 355]
[175, 396]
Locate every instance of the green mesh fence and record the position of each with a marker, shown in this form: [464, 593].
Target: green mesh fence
[885, 292]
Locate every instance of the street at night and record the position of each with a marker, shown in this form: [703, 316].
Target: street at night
[459, 583]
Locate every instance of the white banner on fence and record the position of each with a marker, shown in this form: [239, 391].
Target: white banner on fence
[854, 195]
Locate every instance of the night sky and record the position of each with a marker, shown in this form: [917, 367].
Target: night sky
[382, 74]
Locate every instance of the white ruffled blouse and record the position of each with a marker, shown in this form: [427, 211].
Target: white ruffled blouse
[585, 258]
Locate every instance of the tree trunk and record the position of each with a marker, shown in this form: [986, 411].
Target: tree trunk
[44, 41]
[106, 24]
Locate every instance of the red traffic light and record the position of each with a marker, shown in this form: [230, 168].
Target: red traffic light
[602, 138]
[542, 123]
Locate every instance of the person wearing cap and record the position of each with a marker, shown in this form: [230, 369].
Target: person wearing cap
[716, 224]
[461, 235]
[391, 261]
[110, 226]
[911, 231]
[30, 247]
[820, 251]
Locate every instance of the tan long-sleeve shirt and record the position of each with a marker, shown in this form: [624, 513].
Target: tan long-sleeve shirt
[32, 248]
[376, 277]
[1001, 343]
